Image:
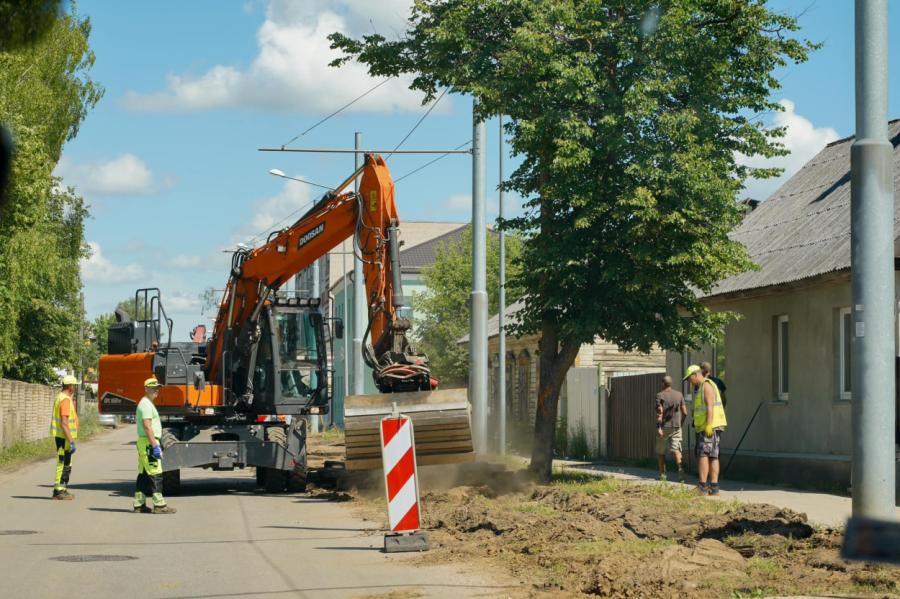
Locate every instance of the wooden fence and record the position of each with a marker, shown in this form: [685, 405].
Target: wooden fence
[632, 416]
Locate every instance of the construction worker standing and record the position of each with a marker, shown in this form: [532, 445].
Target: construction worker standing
[709, 422]
[149, 430]
[64, 430]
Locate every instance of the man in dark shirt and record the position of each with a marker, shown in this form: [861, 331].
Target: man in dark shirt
[670, 409]
[706, 369]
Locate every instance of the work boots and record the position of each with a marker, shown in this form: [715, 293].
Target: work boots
[62, 495]
[142, 509]
[163, 509]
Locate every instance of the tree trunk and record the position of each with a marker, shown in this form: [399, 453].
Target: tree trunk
[555, 360]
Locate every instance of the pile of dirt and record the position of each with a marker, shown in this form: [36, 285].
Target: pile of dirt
[642, 541]
[601, 537]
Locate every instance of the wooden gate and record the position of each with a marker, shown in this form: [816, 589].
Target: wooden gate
[632, 415]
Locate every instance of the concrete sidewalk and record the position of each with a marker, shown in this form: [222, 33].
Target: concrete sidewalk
[821, 508]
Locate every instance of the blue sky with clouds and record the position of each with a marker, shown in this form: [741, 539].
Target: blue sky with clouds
[169, 164]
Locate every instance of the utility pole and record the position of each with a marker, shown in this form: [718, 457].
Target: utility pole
[501, 382]
[478, 380]
[315, 419]
[872, 272]
[360, 303]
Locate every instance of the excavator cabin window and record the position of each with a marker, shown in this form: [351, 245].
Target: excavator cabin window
[296, 343]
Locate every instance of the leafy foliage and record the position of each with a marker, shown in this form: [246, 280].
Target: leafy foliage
[44, 95]
[442, 310]
[629, 116]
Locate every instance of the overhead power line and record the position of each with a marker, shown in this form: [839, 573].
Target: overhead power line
[419, 122]
[429, 163]
[336, 112]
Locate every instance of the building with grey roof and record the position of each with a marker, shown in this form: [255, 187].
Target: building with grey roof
[787, 355]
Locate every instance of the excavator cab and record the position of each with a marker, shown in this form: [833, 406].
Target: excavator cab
[290, 368]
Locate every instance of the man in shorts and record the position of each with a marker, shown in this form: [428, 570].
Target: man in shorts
[670, 409]
[709, 422]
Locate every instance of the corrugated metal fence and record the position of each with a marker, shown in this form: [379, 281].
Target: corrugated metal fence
[632, 415]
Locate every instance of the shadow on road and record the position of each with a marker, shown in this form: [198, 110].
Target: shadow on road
[390, 588]
[45, 497]
[110, 509]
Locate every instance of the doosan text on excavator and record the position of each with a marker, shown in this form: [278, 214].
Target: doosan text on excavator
[242, 399]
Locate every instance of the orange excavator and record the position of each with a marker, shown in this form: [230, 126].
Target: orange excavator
[243, 398]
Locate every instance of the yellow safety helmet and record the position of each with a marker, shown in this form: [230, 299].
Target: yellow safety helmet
[69, 380]
[151, 383]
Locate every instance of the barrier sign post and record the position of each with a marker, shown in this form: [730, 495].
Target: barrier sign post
[401, 484]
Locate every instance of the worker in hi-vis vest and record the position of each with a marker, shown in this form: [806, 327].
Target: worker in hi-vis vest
[709, 422]
[149, 430]
[64, 430]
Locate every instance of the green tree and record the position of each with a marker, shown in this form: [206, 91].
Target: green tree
[45, 93]
[442, 310]
[629, 117]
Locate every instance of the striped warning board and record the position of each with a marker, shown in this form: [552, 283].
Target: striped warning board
[400, 481]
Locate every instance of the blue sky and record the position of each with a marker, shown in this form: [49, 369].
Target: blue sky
[168, 160]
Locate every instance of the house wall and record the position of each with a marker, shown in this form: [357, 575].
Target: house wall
[806, 438]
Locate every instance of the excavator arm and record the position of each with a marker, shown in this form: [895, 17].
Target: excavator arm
[257, 274]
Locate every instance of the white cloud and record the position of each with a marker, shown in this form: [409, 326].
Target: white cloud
[181, 302]
[99, 269]
[280, 210]
[290, 72]
[803, 139]
[182, 261]
[124, 175]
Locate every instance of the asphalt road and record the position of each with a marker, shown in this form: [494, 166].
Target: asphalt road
[227, 539]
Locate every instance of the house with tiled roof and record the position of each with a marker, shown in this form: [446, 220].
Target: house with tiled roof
[787, 356]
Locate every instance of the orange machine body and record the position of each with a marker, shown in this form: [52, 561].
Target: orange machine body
[122, 379]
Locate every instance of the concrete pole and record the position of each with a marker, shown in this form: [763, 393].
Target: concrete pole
[314, 420]
[345, 342]
[872, 272]
[360, 309]
[501, 383]
[478, 361]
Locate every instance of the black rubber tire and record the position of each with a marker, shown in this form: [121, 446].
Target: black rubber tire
[171, 480]
[276, 481]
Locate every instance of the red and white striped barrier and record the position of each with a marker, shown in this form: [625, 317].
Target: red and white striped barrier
[400, 481]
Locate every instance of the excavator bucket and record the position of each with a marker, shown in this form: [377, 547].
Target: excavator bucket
[442, 426]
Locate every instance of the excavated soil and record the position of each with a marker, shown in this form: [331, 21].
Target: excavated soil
[644, 541]
[582, 536]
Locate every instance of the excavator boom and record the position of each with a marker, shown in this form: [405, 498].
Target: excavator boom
[401, 374]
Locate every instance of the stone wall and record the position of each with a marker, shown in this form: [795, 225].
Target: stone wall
[25, 411]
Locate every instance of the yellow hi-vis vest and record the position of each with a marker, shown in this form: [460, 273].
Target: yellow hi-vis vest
[56, 429]
[719, 420]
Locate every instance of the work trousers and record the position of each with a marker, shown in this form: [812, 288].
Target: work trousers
[63, 464]
[149, 478]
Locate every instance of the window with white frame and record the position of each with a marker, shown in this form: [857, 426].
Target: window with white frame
[782, 358]
[844, 366]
